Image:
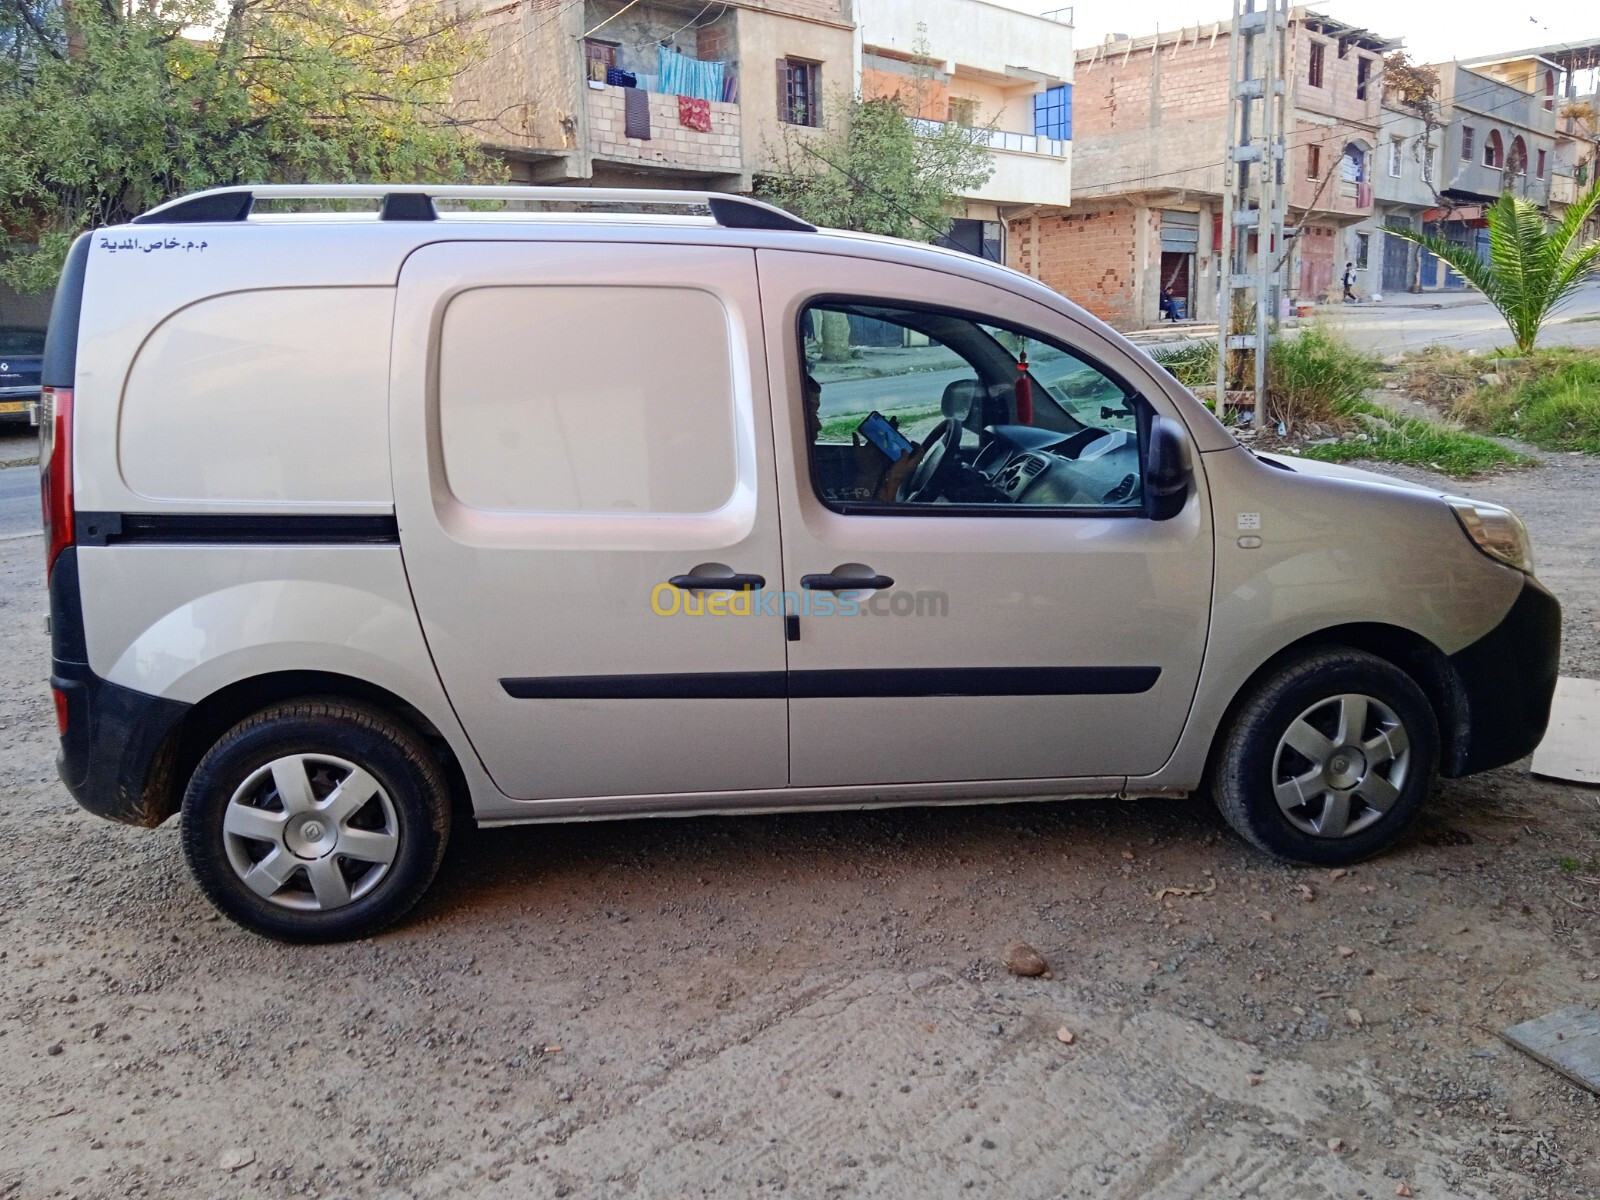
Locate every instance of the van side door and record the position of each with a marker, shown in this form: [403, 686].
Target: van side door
[583, 478]
[990, 591]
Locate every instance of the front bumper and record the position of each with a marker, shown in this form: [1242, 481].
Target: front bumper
[1509, 677]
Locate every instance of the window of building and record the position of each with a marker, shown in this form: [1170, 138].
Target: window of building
[1494, 150]
[1466, 143]
[1019, 424]
[1363, 75]
[1052, 113]
[1363, 250]
[1538, 168]
[1396, 150]
[985, 239]
[1314, 70]
[799, 92]
[961, 110]
[1549, 91]
[1430, 167]
[1353, 166]
[599, 57]
[1517, 159]
[1313, 162]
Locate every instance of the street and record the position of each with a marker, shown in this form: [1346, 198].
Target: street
[1463, 322]
[19, 500]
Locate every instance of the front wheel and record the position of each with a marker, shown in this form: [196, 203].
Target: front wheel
[1329, 760]
[316, 820]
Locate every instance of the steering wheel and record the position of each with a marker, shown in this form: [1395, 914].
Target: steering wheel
[927, 480]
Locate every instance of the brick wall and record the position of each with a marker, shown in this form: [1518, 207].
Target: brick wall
[670, 143]
[1089, 257]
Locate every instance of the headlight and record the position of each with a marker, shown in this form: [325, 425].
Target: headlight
[1497, 531]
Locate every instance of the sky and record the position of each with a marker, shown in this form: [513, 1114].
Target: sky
[1432, 32]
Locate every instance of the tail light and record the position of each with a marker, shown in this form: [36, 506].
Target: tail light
[61, 710]
[55, 475]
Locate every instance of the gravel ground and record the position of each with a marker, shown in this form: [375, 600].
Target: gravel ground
[814, 1005]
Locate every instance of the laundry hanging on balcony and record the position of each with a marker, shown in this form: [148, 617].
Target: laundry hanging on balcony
[636, 113]
[679, 75]
[694, 114]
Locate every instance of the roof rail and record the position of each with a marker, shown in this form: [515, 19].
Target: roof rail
[415, 202]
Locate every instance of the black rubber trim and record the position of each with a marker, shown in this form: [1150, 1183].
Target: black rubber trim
[67, 642]
[707, 685]
[408, 206]
[252, 529]
[111, 754]
[901, 682]
[60, 366]
[732, 213]
[1509, 677]
[232, 205]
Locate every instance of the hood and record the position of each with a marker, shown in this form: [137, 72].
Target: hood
[1312, 466]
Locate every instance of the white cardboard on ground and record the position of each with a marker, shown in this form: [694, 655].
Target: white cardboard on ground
[1571, 746]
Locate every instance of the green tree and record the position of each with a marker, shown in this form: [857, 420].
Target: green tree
[876, 169]
[108, 108]
[1533, 264]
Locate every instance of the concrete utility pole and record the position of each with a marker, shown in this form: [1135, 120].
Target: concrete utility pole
[1252, 200]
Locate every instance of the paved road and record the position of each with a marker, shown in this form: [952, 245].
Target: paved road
[1473, 326]
[19, 500]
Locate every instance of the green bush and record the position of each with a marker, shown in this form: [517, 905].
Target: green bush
[1316, 377]
[1193, 365]
[1391, 437]
[1551, 398]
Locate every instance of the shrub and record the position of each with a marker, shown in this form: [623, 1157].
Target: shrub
[1316, 377]
[1551, 398]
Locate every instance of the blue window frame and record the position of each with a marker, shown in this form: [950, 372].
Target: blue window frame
[1052, 113]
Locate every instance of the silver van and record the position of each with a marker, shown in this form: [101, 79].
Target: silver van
[523, 504]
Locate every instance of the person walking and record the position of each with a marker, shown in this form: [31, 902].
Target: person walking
[1349, 282]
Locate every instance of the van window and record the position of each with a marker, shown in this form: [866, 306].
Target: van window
[277, 396]
[911, 409]
[587, 399]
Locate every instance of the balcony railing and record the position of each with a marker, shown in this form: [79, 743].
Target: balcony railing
[1002, 139]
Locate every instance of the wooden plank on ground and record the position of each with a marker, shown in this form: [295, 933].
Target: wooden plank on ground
[1567, 1040]
[1571, 746]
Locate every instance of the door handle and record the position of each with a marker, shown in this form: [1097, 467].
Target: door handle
[733, 582]
[845, 583]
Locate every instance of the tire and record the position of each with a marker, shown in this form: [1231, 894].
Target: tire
[280, 844]
[1291, 779]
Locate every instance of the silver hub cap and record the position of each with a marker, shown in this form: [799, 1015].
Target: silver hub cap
[1341, 765]
[310, 832]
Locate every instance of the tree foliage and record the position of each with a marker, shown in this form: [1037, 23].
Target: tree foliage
[876, 169]
[108, 107]
[1533, 264]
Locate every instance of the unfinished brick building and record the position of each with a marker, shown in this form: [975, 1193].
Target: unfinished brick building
[1149, 131]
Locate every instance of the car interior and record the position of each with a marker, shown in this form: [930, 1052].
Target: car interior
[1022, 422]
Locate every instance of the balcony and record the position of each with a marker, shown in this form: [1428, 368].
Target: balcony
[672, 145]
[1028, 169]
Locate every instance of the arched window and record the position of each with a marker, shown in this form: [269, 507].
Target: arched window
[1517, 160]
[1494, 150]
[1549, 91]
[1354, 167]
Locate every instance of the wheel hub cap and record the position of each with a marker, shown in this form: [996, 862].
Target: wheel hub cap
[1341, 765]
[311, 832]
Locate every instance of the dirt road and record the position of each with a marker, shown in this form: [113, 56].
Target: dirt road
[814, 1005]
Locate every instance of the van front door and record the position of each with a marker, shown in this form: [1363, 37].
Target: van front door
[985, 592]
[582, 459]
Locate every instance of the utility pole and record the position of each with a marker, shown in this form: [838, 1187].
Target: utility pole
[1252, 195]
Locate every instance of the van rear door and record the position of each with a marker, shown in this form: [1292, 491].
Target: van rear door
[574, 426]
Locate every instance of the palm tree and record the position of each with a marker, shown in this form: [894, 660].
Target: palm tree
[1533, 265]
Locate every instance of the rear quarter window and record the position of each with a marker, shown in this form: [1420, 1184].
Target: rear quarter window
[276, 396]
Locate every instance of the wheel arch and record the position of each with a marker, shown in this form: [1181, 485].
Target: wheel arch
[1414, 654]
[209, 718]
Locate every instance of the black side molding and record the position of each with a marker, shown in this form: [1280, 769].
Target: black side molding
[901, 682]
[251, 529]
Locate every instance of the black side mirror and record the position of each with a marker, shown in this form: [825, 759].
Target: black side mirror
[1166, 479]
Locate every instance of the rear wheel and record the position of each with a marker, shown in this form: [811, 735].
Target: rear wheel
[316, 820]
[1329, 760]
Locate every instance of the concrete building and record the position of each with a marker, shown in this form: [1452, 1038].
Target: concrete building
[550, 93]
[1405, 174]
[981, 65]
[1149, 127]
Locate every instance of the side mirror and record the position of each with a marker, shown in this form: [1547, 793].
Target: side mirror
[1166, 479]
